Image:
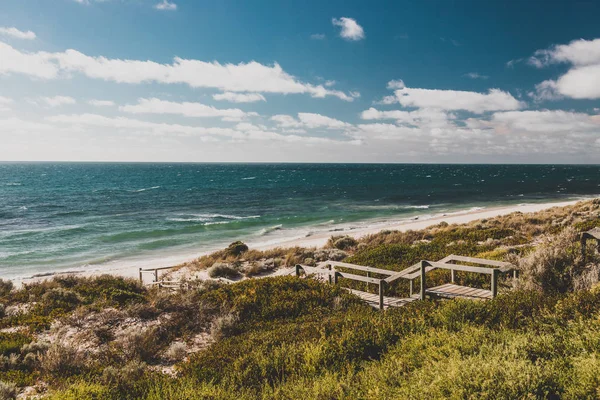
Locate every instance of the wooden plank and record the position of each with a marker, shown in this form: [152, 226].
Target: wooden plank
[454, 291]
[357, 267]
[357, 277]
[154, 269]
[475, 260]
[459, 267]
[373, 300]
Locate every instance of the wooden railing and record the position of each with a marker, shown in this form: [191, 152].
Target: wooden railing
[154, 271]
[498, 267]
[329, 269]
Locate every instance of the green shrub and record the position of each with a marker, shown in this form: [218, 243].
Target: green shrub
[60, 300]
[6, 287]
[342, 242]
[222, 270]
[61, 362]
[8, 391]
[236, 248]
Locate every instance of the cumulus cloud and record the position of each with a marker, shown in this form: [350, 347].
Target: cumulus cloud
[581, 81]
[101, 103]
[251, 77]
[16, 33]
[396, 84]
[239, 97]
[493, 100]
[350, 29]
[309, 120]
[242, 132]
[425, 117]
[186, 109]
[56, 101]
[165, 5]
[36, 65]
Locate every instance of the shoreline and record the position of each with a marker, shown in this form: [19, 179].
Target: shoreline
[316, 240]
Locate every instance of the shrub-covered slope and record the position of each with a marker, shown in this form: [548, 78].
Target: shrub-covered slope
[289, 338]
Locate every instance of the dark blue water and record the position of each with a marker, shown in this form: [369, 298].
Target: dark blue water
[57, 216]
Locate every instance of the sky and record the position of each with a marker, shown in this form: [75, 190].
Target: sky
[300, 81]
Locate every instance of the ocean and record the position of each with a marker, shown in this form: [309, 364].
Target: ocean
[82, 216]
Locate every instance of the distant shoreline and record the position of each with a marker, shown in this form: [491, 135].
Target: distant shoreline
[130, 268]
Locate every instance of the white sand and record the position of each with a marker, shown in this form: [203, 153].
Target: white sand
[130, 268]
[462, 217]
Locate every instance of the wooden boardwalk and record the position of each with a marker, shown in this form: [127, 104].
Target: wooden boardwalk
[333, 270]
[373, 299]
[451, 291]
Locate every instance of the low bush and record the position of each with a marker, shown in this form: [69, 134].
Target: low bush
[8, 391]
[236, 248]
[60, 362]
[222, 270]
[6, 287]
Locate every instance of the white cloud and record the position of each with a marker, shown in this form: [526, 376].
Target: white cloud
[475, 102]
[546, 121]
[396, 84]
[424, 117]
[4, 103]
[14, 32]
[57, 101]
[243, 132]
[475, 75]
[351, 30]
[581, 81]
[36, 65]
[239, 97]
[286, 121]
[187, 109]
[165, 5]
[578, 52]
[309, 120]
[317, 36]
[546, 90]
[251, 77]
[101, 103]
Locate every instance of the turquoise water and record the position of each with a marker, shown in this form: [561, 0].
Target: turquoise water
[57, 216]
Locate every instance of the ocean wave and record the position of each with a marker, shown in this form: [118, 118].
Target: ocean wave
[266, 231]
[249, 178]
[143, 190]
[13, 184]
[392, 207]
[209, 217]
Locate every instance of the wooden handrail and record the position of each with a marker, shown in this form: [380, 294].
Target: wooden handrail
[357, 267]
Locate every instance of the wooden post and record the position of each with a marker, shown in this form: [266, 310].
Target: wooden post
[298, 267]
[515, 274]
[141, 278]
[155, 275]
[329, 267]
[368, 276]
[381, 289]
[423, 287]
[452, 275]
[335, 277]
[495, 273]
[411, 287]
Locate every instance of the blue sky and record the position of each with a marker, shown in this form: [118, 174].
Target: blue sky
[340, 81]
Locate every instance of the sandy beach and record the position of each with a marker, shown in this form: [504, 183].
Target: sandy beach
[130, 268]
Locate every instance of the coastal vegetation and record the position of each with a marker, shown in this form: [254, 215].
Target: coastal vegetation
[280, 337]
